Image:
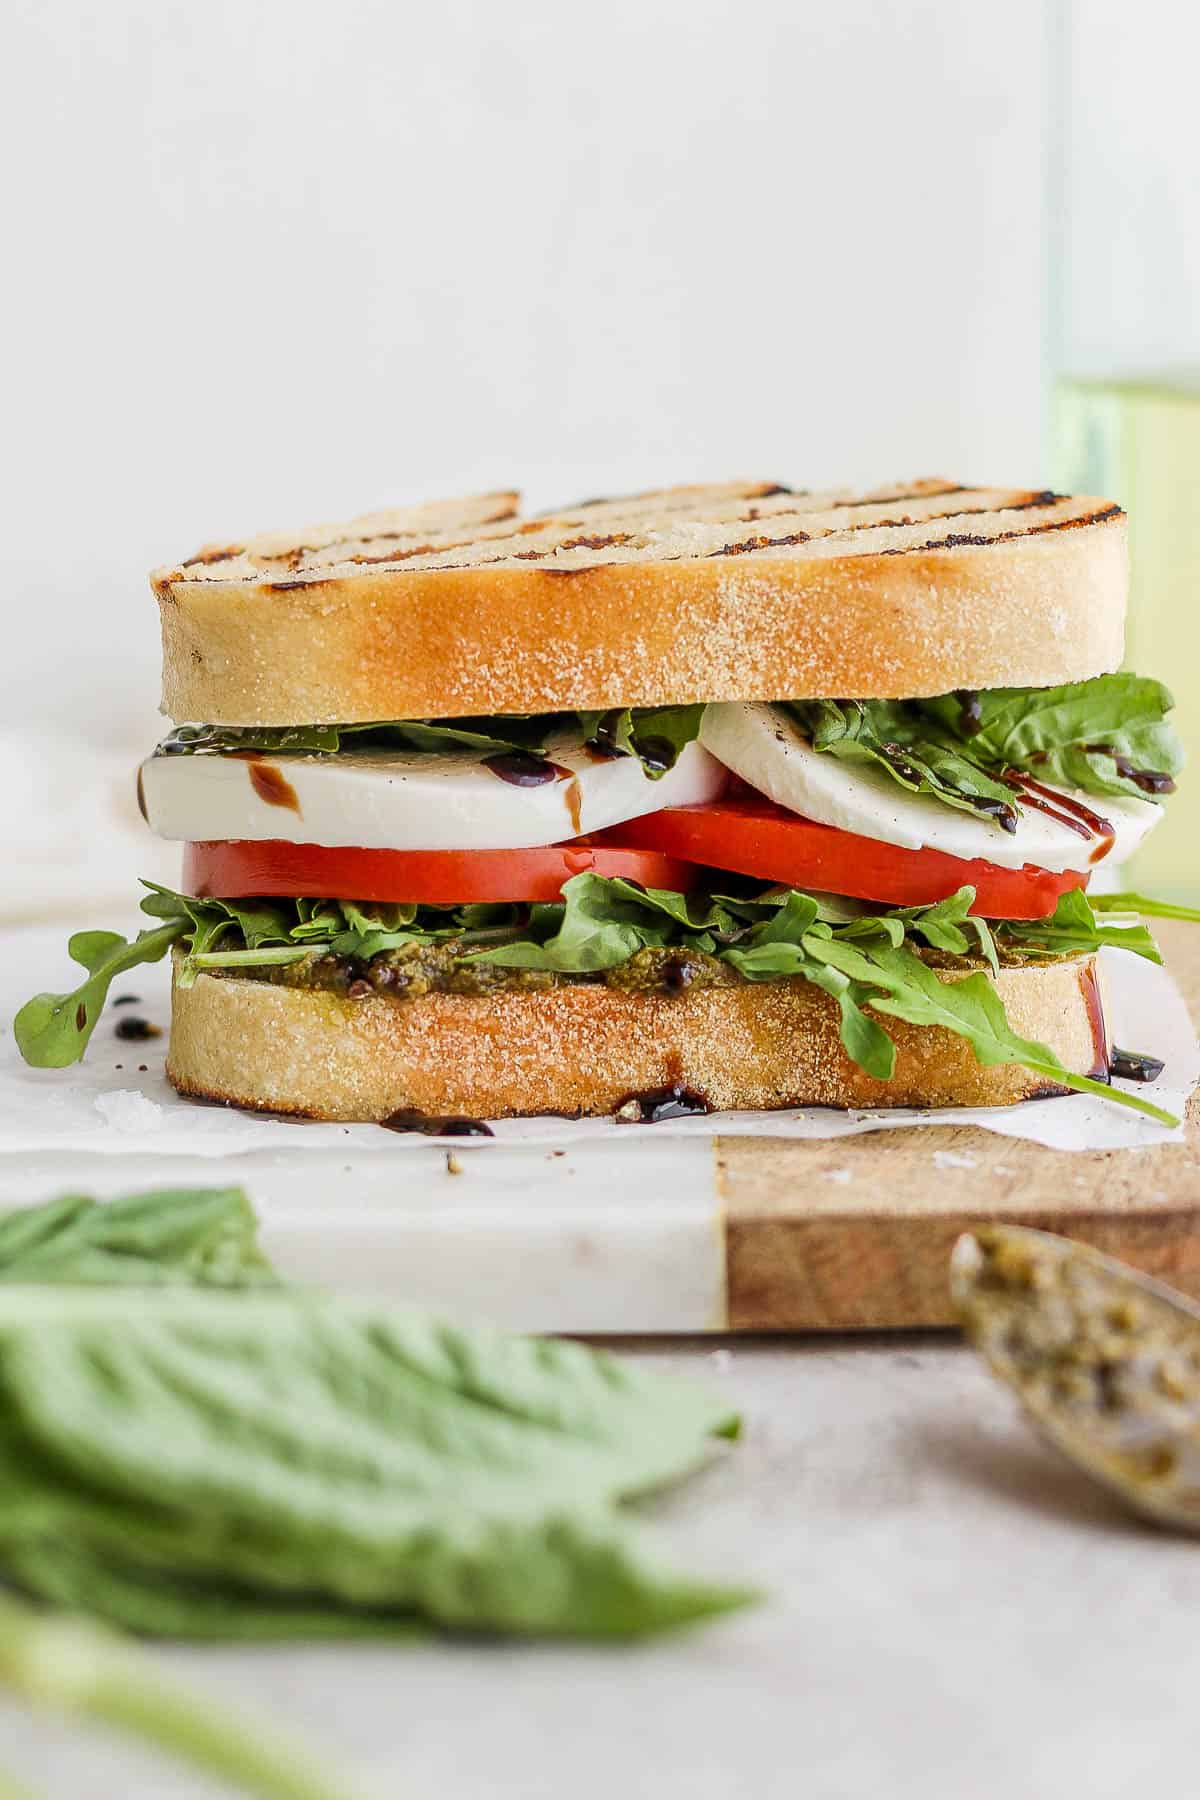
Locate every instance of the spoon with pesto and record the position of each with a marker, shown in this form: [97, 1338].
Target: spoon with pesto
[1106, 1361]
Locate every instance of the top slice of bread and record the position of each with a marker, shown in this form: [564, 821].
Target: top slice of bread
[738, 590]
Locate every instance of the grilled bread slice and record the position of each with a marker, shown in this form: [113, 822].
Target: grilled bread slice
[742, 590]
[584, 1049]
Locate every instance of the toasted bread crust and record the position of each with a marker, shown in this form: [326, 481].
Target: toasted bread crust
[1012, 594]
[583, 1049]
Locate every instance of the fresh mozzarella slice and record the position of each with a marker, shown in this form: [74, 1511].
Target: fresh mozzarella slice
[765, 747]
[406, 800]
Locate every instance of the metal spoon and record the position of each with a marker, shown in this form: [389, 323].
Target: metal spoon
[1106, 1361]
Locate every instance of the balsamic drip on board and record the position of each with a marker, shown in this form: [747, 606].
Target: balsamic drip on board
[656, 1104]
[409, 1119]
[1135, 1065]
[135, 1030]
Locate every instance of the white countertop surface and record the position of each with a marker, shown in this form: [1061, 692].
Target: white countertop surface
[953, 1614]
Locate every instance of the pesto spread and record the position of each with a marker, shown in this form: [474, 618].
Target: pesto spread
[448, 967]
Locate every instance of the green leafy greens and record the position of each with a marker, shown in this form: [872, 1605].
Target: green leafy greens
[82, 1670]
[1106, 736]
[172, 1237]
[212, 1465]
[867, 958]
[657, 735]
[279, 1465]
[52, 1030]
[915, 752]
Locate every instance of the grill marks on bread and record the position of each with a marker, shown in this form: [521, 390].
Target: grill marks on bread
[385, 536]
[957, 539]
[746, 520]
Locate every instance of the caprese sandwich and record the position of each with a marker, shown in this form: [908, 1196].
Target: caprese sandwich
[728, 796]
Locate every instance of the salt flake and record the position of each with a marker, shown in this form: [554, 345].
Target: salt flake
[127, 1111]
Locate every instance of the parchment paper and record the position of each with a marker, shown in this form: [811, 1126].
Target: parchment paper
[119, 1102]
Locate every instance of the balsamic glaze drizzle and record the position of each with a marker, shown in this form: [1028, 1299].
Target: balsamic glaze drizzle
[1135, 1065]
[521, 768]
[409, 1119]
[674, 1102]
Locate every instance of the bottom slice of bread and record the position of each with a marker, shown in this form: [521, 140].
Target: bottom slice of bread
[585, 1049]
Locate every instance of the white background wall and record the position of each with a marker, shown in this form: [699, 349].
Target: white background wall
[277, 260]
[1124, 223]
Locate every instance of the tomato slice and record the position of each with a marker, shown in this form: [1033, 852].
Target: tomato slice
[237, 869]
[753, 836]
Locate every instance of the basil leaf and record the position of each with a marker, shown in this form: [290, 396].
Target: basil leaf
[80, 1669]
[190, 740]
[169, 1237]
[484, 737]
[52, 1030]
[1106, 736]
[216, 1465]
[611, 731]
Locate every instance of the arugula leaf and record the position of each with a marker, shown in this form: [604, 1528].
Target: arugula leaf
[487, 737]
[1141, 903]
[950, 925]
[171, 1236]
[277, 1465]
[1073, 929]
[661, 733]
[599, 925]
[52, 1030]
[1108, 735]
[855, 952]
[894, 736]
[974, 1010]
[691, 912]
[863, 1038]
[655, 734]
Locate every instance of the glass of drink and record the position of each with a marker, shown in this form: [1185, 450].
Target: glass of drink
[1124, 340]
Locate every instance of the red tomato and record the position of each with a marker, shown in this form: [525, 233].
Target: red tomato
[752, 836]
[238, 869]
